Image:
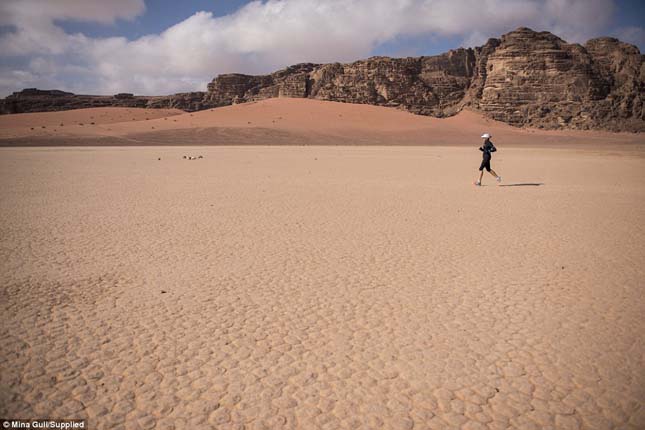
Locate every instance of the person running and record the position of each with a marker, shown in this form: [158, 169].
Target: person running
[487, 148]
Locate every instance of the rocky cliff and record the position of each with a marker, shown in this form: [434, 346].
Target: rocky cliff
[35, 100]
[524, 78]
[537, 79]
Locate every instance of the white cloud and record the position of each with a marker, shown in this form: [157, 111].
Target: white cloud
[258, 38]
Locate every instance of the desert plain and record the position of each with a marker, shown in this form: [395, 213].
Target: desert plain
[298, 277]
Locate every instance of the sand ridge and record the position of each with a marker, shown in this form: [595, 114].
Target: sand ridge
[90, 117]
[281, 121]
[322, 288]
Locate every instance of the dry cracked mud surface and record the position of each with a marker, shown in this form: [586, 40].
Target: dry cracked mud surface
[326, 287]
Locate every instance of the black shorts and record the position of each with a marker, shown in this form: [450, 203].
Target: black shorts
[485, 165]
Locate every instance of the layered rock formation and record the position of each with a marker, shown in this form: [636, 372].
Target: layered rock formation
[237, 88]
[537, 79]
[525, 78]
[425, 85]
[35, 100]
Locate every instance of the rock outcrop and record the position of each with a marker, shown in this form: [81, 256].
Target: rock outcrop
[35, 100]
[425, 85]
[237, 88]
[524, 78]
[537, 79]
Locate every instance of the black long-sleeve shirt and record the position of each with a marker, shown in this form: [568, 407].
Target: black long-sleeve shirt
[487, 148]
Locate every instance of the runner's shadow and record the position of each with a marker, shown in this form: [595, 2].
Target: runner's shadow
[524, 184]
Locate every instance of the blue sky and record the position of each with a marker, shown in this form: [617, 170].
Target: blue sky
[163, 46]
[158, 16]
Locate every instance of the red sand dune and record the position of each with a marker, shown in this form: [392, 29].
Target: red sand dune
[98, 116]
[279, 121]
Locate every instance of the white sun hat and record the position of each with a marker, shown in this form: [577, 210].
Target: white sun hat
[486, 136]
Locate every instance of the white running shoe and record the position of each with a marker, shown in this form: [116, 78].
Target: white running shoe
[499, 179]
[478, 183]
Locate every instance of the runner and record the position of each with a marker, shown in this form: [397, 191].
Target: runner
[487, 148]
